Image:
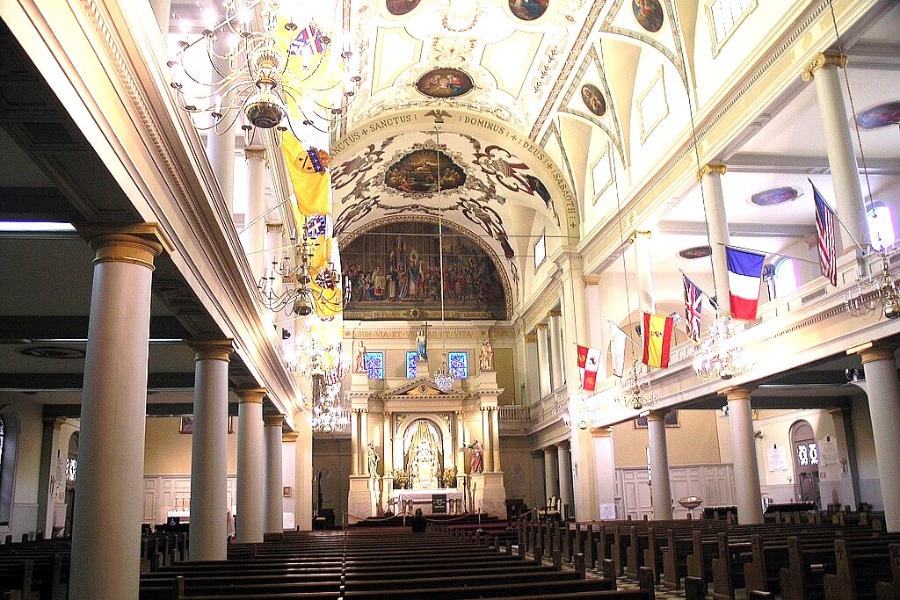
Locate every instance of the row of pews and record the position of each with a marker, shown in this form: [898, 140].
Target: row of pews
[846, 559]
[372, 564]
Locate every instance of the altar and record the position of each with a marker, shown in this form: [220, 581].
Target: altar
[409, 500]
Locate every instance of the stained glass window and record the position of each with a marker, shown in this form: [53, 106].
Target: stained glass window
[459, 364]
[807, 454]
[412, 364]
[375, 365]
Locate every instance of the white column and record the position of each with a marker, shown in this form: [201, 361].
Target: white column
[354, 442]
[461, 436]
[495, 437]
[532, 369]
[596, 325]
[746, 472]
[209, 451]
[883, 390]
[363, 441]
[52, 482]
[162, 10]
[255, 226]
[220, 148]
[643, 271]
[551, 471]
[605, 472]
[486, 440]
[851, 210]
[661, 488]
[109, 497]
[717, 224]
[543, 332]
[564, 464]
[274, 479]
[303, 492]
[557, 376]
[387, 451]
[846, 444]
[250, 467]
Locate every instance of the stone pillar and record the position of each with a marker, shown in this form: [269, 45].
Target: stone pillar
[461, 436]
[387, 452]
[109, 497]
[495, 437]
[661, 488]
[532, 370]
[487, 440]
[564, 464]
[543, 344]
[551, 471]
[52, 482]
[274, 479]
[303, 476]
[644, 271]
[605, 472]
[851, 208]
[883, 390]
[597, 326]
[746, 471]
[362, 451]
[255, 225]
[162, 10]
[557, 376]
[846, 443]
[250, 467]
[220, 147]
[354, 442]
[717, 223]
[209, 451]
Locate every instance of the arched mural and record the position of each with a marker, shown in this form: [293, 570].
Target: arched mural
[395, 273]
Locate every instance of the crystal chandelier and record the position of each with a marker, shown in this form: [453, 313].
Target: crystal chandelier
[883, 293]
[267, 68]
[636, 393]
[720, 356]
[329, 412]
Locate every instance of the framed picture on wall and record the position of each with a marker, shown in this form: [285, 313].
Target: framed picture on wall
[671, 420]
[286, 491]
[187, 425]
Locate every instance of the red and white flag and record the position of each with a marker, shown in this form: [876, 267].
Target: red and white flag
[588, 364]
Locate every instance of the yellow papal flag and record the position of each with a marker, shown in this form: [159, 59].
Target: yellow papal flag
[309, 178]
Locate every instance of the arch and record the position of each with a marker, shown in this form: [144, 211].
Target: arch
[8, 455]
[805, 452]
[784, 275]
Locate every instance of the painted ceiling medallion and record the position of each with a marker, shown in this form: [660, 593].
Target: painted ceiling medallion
[593, 99]
[775, 196]
[52, 352]
[880, 116]
[399, 8]
[444, 83]
[649, 14]
[417, 172]
[528, 10]
[695, 252]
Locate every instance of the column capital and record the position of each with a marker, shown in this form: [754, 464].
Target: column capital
[657, 415]
[255, 153]
[736, 393]
[251, 395]
[563, 445]
[877, 353]
[54, 422]
[711, 168]
[137, 244]
[549, 449]
[570, 260]
[530, 338]
[211, 349]
[601, 432]
[273, 420]
[821, 60]
[542, 326]
[592, 280]
[274, 226]
[555, 313]
[289, 436]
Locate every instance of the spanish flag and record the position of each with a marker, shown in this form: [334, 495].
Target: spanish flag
[658, 334]
[310, 178]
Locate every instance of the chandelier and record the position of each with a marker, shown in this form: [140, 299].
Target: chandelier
[635, 392]
[267, 69]
[877, 291]
[329, 412]
[720, 356]
[325, 367]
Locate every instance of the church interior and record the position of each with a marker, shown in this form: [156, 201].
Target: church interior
[272, 265]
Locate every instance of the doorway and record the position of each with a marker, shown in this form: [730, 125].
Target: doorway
[806, 463]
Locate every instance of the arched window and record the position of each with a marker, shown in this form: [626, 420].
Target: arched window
[9, 423]
[785, 277]
[881, 226]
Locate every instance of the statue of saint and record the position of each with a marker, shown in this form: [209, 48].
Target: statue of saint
[361, 357]
[477, 456]
[487, 356]
[421, 345]
[373, 458]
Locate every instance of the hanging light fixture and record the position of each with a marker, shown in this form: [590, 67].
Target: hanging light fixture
[635, 393]
[720, 355]
[443, 378]
[266, 69]
[877, 292]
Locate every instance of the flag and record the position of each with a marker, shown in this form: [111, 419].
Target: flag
[309, 177]
[825, 231]
[308, 40]
[588, 363]
[617, 340]
[693, 303]
[658, 333]
[744, 274]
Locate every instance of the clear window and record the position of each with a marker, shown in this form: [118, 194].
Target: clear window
[459, 364]
[881, 227]
[785, 277]
[725, 16]
[540, 251]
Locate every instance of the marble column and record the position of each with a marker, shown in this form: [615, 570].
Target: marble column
[362, 451]
[220, 146]
[461, 436]
[250, 518]
[596, 325]
[209, 451]
[532, 370]
[254, 233]
[644, 271]
[717, 226]
[495, 437]
[551, 471]
[274, 478]
[661, 488]
[605, 472]
[109, 497]
[564, 464]
[557, 376]
[883, 390]
[846, 444]
[162, 10]
[354, 442]
[543, 344]
[303, 476]
[487, 440]
[851, 208]
[746, 471]
[387, 451]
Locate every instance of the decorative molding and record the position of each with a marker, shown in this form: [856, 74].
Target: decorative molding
[823, 59]
[711, 168]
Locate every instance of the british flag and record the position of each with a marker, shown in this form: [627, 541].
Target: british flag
[316, 226]
[309, 40]
[324, 279]
[693, 303]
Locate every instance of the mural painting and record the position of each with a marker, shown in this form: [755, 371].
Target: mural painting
[880, 116]
[400, 7]
[593, 99]
[649, 13]
[528, 10]
[419, 171]
[444, 83]
[774, 196]
[395, 274]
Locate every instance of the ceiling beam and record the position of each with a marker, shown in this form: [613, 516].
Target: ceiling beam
[759, 230]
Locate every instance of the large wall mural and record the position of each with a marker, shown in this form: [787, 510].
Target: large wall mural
[395, 272]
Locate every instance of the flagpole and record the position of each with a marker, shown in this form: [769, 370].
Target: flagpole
[838, 218]
[712, 302]
[764, 253]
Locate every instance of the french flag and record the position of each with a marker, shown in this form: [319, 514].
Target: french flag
[744, 274]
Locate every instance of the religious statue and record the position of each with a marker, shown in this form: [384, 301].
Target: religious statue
[424, 469]
[477, 456]
[487, 356]
[361, 357]
[373, 459]
[421, 345]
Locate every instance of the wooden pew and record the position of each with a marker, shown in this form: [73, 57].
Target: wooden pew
[858, 570]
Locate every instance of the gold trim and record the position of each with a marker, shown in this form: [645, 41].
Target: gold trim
[823, 59]
[273, 420]
[251, 395]
[250, 153]
[592, 280]
[530, 338]
[711, 168]
[876, 354]
[119, 247]
[289, 436]
[274, 226]
[735, 393]
[212, 349]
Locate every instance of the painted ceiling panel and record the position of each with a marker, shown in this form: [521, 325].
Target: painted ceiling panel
[396, 51]
[509, 60]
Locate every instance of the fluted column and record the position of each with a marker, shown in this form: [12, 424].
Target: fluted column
[255, 225]
[109, 497]
[495, 437]
[717, 224]
[543, 332]
[883, 390]
[644, 271]
[851, 208]
[209, 451]
[557, 376]
[250, 467]
[661, 488]
[354, 442]
[274, 478]
[551, 471]
[532, 369]
[564, 464]
[746, 471]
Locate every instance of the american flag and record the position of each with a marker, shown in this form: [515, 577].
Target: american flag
[825, 231]
[693, 303]
[316, 226]
[308, 41]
